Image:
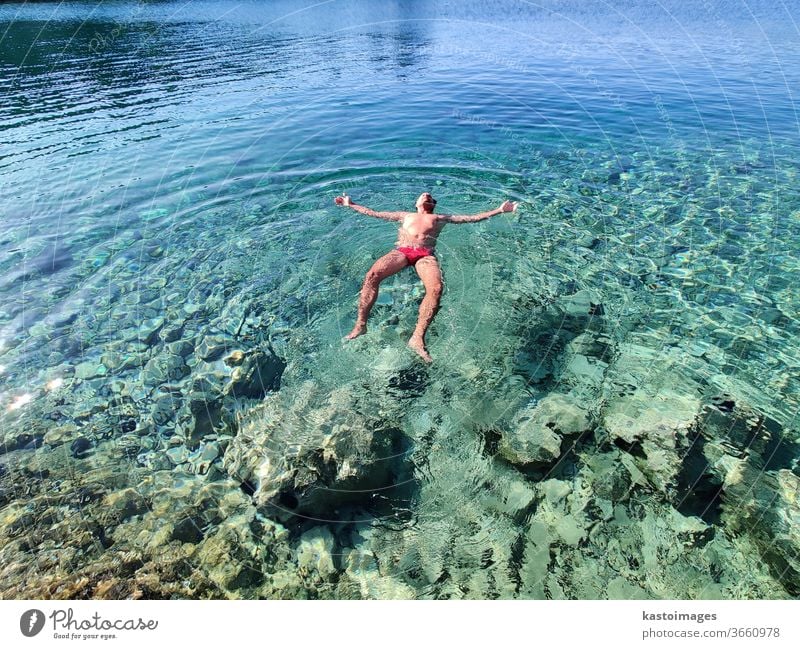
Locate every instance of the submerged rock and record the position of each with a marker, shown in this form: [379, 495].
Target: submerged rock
[642, 417]
[580, 304]
[363, 579]
[656, 431]
[163, 368]
[205, 411]
[235, 358]
[165, 406]
[188, 530]
[747, 432]
[80, 447]
[177, 454]
[310, 452]
[619, 588]
[259, 372]
[119, 506]
[200, 461]
[536, 433]
[61, 434]
[171, 332]
[148, 330]
[213, 346]
[231, 562]
[315, 552]
[90, 370]
[765, 506]
[118, 362]
[180, 347]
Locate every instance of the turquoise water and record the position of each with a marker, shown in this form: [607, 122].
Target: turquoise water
[612, 407]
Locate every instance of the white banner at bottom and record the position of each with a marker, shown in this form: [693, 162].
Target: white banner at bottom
[386, 624]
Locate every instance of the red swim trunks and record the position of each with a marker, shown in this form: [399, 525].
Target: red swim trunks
[414, 254]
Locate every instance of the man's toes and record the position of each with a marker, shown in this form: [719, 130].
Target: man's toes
[419, 347]
[357, 331]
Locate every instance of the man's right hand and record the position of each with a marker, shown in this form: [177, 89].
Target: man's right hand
[344, 199]
[508, 206]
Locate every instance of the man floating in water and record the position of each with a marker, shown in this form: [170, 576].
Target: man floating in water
[415, 247]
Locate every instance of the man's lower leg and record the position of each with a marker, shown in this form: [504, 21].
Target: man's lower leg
[369, 293]
[427, 311]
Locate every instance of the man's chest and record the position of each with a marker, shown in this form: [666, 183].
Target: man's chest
[422, 224]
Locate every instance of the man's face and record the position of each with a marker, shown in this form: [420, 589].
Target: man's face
[426, 201]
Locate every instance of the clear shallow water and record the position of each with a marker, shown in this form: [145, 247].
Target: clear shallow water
[167, 173]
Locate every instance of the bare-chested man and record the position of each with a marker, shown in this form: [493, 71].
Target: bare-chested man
[415, 247]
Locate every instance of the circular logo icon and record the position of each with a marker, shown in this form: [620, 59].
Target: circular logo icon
[31, 622]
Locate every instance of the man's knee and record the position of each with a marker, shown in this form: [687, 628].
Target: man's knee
[373, 278]
[434, 291]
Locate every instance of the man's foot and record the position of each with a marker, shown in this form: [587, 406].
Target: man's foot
[358, 330]
[418, 345]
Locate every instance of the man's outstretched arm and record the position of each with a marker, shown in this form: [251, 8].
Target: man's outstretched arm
[508, 206]
[344, 200]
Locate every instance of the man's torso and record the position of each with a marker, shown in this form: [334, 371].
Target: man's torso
[419, 230]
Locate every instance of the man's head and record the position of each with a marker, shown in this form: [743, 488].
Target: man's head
[426, 202]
